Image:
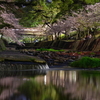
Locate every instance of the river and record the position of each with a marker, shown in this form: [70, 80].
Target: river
[50, 84]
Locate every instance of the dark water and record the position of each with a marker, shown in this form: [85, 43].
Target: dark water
[53, 84]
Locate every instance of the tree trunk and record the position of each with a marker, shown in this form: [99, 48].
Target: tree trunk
[2, 45]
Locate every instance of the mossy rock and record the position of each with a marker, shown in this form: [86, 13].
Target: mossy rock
[20, 58]
[1, 59]
[2, 45]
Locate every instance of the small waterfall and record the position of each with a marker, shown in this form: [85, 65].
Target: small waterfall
[41, 66]
[9, 66]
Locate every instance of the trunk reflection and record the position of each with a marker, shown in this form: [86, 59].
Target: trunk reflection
[53, 85]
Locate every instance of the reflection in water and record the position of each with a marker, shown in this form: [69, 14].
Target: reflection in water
[54, 85]
[45, 79]
[19, 97]
[72, 76]
[9, 86]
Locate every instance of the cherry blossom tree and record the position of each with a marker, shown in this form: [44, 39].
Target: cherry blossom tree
[84, 21]
[8, 23]
[61, 26]
[87, 19]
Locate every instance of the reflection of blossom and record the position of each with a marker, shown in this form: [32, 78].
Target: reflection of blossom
[11, 84]
[85, 88]
[18, 97]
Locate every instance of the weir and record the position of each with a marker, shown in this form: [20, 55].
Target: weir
[18, 66]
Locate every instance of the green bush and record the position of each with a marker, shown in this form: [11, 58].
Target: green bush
[86, 62]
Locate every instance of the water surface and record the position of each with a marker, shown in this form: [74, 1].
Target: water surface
[53, 84]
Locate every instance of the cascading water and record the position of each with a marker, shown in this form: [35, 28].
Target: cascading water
[16, 66]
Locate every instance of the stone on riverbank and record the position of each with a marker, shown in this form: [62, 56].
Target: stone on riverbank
[20, 58]
[15, 61]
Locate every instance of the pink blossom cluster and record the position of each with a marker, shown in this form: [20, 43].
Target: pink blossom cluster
[86, 19]
[9, 18]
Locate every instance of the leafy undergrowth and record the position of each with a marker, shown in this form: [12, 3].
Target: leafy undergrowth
[44, 49]
[86, 62]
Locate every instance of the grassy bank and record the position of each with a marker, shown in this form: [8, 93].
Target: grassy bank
[54, 50]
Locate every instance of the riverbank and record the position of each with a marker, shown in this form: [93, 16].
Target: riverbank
[53, 59]
[92, 44]
[57, 59]
[16, 61]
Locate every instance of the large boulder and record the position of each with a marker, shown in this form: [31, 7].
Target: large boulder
[12, 60]
[20, 58]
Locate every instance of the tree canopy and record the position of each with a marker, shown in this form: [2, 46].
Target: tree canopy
[47, 11]
[36, 12]
[84, 21]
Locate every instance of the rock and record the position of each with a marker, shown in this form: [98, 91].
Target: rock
[1, 59]
[13, 60]
[20, 58]
[67, 66]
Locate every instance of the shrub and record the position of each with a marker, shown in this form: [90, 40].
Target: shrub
[86, 62]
